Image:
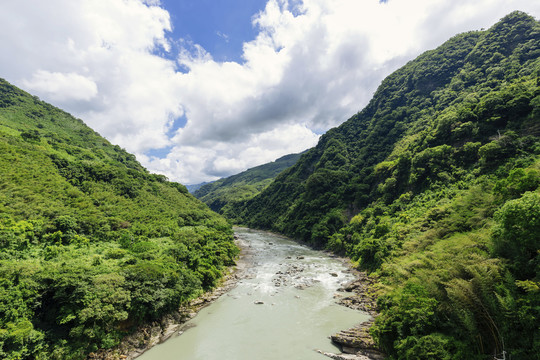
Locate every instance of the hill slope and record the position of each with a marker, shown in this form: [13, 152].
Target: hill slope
[434, 187]
[91, 243]
[228, 193]
[194, 187]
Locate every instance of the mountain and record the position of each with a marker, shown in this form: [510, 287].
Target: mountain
[194, 187]
[92, 244]
[228, 194]
[434, 188]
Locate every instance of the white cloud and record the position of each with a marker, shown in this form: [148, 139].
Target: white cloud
[213, 159]
[313, 64]
[62, 87]
[224, 36]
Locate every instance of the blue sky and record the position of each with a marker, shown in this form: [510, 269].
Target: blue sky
[202, 89]
[219, 26]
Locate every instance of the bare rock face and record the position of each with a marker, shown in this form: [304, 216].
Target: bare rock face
[343, 356]
[362, 297]
[169, 331]
[357, 341]
[355, 338]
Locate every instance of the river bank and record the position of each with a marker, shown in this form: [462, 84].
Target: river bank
[356, 343]
[147, 336]
[290, 272]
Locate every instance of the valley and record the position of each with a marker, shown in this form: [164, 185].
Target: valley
[432, 191]
[283, 307]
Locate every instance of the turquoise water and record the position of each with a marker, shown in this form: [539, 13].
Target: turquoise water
[285, 309]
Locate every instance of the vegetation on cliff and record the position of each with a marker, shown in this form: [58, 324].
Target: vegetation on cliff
[434, 186]
[91, 244]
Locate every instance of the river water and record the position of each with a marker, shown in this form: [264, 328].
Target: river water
[283, 310]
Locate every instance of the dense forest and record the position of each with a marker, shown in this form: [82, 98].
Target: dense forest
[224, 195]
[91, 244]
[434, 188]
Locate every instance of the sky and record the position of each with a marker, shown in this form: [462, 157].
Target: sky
[203, 89]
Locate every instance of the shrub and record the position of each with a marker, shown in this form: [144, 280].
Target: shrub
[517, 234]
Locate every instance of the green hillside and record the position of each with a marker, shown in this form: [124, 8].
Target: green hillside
[434, 187]
[194, 187]
[228, 194]
[92, 244]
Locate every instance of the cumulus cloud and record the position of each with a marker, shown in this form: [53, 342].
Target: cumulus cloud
[215, 159]
[313, 64]
[62, 87]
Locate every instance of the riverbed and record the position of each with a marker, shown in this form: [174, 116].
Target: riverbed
[283, 308]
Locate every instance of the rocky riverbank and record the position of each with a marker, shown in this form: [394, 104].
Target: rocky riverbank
[147, 336]
[356, 343]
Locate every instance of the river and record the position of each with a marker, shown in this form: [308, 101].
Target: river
[283, 309]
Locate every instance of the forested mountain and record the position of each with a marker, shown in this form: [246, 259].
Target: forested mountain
[91, 243]
[228, 194]
[434, 187]
[194, 187]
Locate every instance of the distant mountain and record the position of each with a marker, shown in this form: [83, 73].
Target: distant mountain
[91, 243]
[194, 187]
[434, 187]
[227, 194]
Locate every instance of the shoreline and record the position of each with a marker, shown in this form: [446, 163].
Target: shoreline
[356, 343]
[174, 324]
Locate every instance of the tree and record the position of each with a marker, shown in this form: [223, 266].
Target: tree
[517, 235]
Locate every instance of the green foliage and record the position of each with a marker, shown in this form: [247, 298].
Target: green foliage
[430, 347]
[518, 182]
[410, 313]
[20, 340]
[371, 252]
[517, 235]
[89, 240]
[473, 301]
